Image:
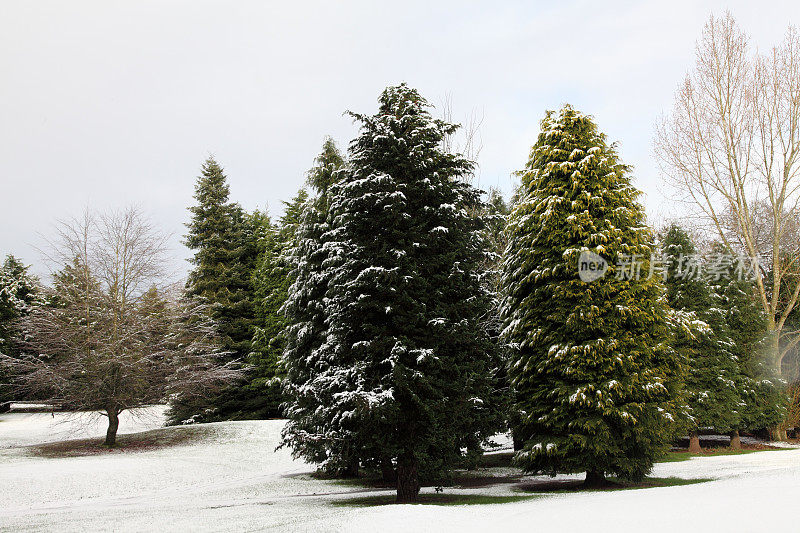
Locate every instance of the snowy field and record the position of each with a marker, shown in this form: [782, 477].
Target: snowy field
[233, 479]
[25, 429]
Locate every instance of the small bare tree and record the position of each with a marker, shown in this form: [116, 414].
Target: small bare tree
[467, 140]
[113, 336]
[732, 146]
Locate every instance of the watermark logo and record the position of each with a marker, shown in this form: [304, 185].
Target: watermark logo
[712, 268]
[591, 266]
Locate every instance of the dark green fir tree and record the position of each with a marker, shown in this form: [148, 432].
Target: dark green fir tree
[221, 236]
[763, 394]
[306, 330]
[712, 379]
[324, 173]
[271, 281]
[495, 214]
[19, 293]
[401, 374]
[224, 239]
[598, 387]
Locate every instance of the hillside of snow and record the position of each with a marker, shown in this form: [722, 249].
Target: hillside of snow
[234, 479]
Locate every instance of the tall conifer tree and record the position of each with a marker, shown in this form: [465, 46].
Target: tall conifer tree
[762, 393]
[401, 372]
[221, 237]
[596, 382]
[224, 239]
[712, 378]
[20, 292]
[306, 331]
[271, 281]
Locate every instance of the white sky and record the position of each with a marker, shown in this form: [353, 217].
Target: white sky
[108, 104]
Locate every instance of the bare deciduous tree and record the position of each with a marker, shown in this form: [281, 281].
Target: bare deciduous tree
[731, 145]
[467, 140]
[113, 336]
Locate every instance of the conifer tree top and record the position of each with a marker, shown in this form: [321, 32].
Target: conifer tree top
[322, 174]
[404, 133]
[569, 147]
[576, 195]
[212, 186]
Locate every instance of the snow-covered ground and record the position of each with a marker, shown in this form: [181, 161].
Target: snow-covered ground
[235, 480]
[24, 429]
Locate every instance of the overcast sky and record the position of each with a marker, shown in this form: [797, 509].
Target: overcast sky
[109, 104]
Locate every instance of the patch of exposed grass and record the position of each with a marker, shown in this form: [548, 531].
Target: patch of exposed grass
[361, 482]
[655, 482]
[435, 499]
[675, 457]
[365, 480]
[562, 486]
[130, 442]
[496, 460]
[525, 491]
[481, 477]
[504, 459]
[490, 472]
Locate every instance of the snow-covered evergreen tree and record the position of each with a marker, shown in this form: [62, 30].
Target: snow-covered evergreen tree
[712, 379]
[495, 214]
[763, 394]
[401, 375]
[221, 238]
[306, 330]
[596, 382]
[19, 293]
[224, 239]
[271, 282]
[324, 173]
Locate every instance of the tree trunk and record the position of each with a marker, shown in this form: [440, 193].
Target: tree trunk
[113, 426]
[517, 441]
[777, 433]
[407, 478]
[351, 471]
[387, 471]
[594, 479]
[694, 444]
[736, 442]
[775, 352]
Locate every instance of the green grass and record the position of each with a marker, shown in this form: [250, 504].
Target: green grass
[362, 482]
[564, 486]
[500, 460]
[490, 473]
[525, 492]
[477, 478]
[656, 482]
[495, 460]
[524, 489]
[435, 499]
[676, 457]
